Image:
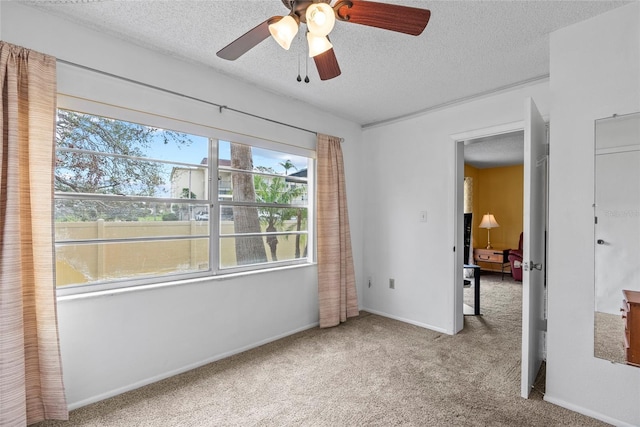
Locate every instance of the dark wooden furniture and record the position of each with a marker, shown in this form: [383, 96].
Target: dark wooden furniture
[492, 256]
[631, 316]
[468, 218]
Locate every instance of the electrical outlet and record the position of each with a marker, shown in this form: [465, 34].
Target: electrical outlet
[392, 283]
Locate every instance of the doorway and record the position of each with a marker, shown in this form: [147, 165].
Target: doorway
[534, 228]
[483, 157]
[493, 185]
[493, 192]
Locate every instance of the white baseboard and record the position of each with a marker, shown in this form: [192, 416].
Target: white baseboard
[411, 322]
[587, 412]
[164, 375]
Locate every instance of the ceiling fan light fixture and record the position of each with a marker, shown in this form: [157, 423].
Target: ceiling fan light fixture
[284, 31]
[318, 44]
[320, 19]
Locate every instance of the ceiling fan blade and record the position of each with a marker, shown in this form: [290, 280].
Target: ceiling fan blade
[393, 17]
[247, 41]
[327, 65]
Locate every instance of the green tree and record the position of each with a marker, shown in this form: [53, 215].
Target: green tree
[274, 190]
[288, 164]
[81, 166]
[301, 218]
[186, 194]
[81, 170]
[301, 214]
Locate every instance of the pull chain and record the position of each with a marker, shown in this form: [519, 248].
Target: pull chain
[300, 49]
[299, 79]
[306, 72]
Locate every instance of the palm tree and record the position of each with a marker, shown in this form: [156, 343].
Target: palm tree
[249, 250]
[274, 191]
[301, 214]
[287, 164]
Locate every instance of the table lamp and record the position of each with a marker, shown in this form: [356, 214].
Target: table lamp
[488, 222]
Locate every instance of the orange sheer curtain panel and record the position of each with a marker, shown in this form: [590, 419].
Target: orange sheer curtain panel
[337, 295]
[31, 386]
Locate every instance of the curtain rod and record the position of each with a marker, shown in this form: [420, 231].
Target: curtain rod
[204, 101]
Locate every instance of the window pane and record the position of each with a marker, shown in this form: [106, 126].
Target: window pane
[101, 155]
[77, 219]
[243, 219]
[85, 264]
[239, 251]
[271, 177]
[250, 187]
[264, 178]
[264, 160]
[133, 202]
[125, 176]
[101, 134]
[188, 182]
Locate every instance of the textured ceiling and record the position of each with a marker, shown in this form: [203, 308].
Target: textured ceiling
[495, 151]
[468, 48]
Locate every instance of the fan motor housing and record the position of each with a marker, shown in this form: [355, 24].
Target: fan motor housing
[299, 7]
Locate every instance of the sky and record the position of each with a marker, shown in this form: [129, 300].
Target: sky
[198, 149]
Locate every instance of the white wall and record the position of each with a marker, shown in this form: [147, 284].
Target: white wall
[116, 341]
[595, 72]
[411, 168]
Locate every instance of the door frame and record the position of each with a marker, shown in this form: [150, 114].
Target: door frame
[458, 208]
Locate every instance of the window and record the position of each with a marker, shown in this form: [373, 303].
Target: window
[263, 206]
[134, 204]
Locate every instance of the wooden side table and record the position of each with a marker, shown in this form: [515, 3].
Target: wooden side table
[492, 256]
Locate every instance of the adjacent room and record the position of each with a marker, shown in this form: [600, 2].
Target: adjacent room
[274, 212]
[493, 188]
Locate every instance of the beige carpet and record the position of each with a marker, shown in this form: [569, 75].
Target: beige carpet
[371, 371]
[609, 337]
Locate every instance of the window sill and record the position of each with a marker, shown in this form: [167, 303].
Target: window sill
[182, 282]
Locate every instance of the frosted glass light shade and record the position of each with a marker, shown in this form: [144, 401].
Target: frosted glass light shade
[284, 31]
[318, 45]
[320, 19]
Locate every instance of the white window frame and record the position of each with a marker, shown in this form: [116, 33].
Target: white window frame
[82, 105]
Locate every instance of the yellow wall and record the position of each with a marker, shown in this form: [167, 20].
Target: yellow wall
[500, 192]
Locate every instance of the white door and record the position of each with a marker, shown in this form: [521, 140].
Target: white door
[533, 269]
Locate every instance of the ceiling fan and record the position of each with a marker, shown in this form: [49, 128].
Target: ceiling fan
[320, 17]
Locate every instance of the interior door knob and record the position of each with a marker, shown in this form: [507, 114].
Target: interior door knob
[600, 242]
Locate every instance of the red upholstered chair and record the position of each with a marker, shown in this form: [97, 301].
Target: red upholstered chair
[515, 258]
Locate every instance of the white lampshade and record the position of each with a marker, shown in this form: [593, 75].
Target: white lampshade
[318, 45]
[488, 221]
[320, 19]
[284, 31]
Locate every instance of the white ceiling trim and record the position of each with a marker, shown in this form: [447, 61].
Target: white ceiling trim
[489, 131]
[453, 103]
